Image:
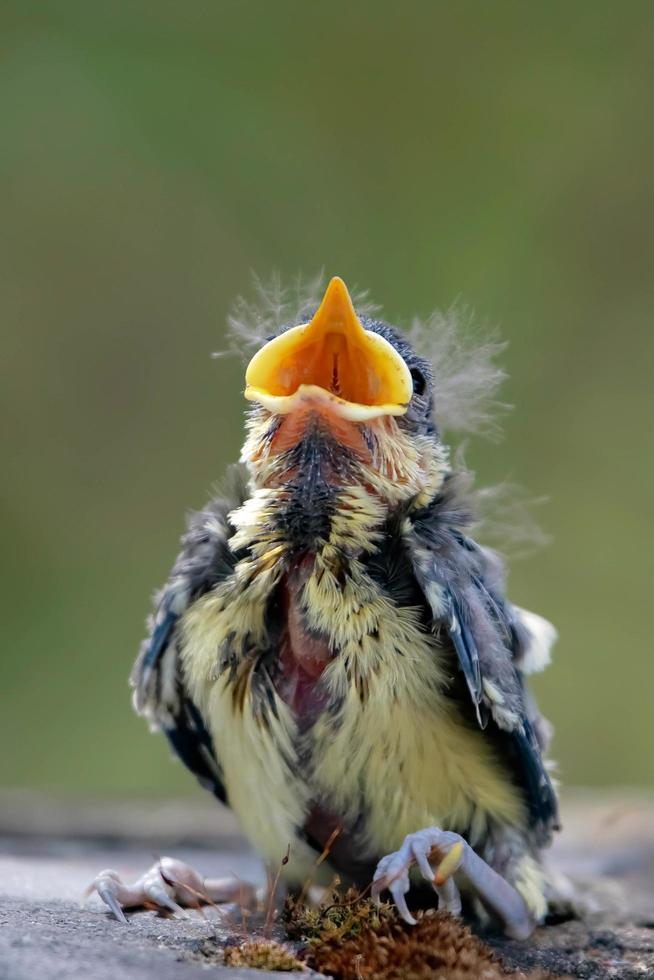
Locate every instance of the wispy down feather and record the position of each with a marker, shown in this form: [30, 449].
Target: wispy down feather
[466, 377]
[274, 307]
[502, 515]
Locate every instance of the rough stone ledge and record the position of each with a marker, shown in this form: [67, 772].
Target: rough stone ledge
[50, 850]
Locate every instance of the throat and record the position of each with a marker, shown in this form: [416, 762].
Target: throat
[315, 481]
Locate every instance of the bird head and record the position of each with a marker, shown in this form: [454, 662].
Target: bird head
[348, 396]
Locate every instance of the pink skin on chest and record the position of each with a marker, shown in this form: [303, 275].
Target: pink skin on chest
[303, 654]
[302, 659]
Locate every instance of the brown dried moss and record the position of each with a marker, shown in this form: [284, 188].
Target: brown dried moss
[262, 954]
[352, 939]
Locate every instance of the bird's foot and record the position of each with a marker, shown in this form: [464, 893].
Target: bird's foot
[169, 886]
[457, 866]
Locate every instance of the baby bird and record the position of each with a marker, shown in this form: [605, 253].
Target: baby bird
[334, 657]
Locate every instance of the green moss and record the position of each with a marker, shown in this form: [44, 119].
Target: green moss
[339, 916]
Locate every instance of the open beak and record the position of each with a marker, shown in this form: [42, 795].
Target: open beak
[331, 359]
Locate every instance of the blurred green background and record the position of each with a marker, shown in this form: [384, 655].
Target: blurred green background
[153, 154]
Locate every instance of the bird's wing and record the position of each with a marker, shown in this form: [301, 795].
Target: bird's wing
[159, 691]
[463, 586]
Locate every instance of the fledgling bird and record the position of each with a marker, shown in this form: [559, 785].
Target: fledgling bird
[334, 657]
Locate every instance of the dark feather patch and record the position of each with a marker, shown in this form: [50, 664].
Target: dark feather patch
[532, 775]
[191, 741]
[158, 642]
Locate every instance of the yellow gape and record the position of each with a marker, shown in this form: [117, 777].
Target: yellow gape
[332, 358]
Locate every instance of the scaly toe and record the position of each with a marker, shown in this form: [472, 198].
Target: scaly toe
[449, 897]
[158, 891]
[187, 885]
[392, 874]
[381, 876]
[420, 851]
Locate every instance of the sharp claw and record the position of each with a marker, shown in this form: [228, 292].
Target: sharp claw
[159, 895]
[400, 902]
[450, 863]
[110, 899]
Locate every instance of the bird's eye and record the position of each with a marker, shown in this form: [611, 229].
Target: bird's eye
[419, 383]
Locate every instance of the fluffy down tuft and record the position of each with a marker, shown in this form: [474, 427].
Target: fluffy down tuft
[502, 515]
[274, 307]
[466, 377]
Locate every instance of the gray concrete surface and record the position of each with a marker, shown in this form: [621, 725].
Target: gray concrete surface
[50, 851]
[45, 935]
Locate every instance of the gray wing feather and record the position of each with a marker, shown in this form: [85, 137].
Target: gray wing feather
[463, 586]
[159, 691]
